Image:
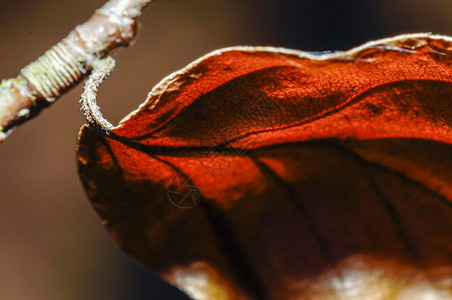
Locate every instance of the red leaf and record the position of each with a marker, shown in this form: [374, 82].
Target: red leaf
[271, 173]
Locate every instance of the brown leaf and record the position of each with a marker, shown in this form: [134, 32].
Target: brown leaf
[271, 173]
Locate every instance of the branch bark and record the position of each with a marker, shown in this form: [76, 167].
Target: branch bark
[67, 63]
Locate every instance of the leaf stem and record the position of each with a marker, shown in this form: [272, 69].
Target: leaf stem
[101, 70]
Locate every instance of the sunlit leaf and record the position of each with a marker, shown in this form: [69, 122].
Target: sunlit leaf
[271, 173]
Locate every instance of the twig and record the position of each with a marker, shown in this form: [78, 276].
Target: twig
[65, 64]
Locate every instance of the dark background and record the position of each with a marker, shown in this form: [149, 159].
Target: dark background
[51, 243]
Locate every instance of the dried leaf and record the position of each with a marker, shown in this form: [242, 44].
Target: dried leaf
[271, 173]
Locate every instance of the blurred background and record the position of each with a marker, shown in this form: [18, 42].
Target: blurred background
[52, 245]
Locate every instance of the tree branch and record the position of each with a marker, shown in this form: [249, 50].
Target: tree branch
[65, 64]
